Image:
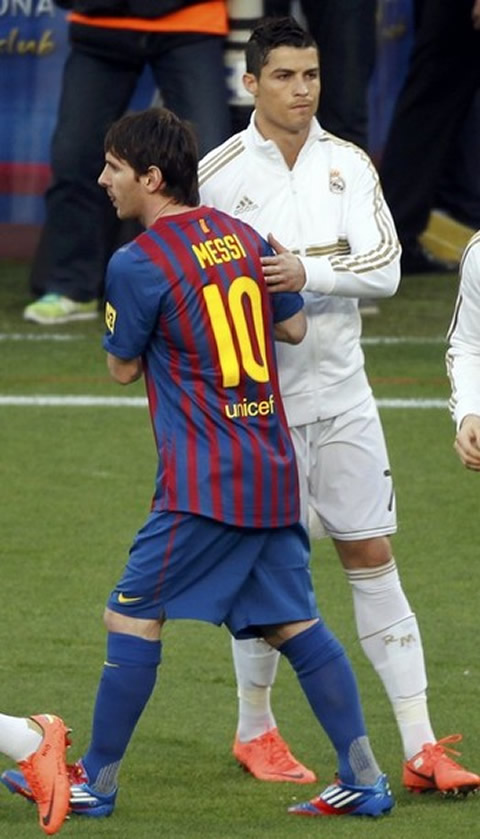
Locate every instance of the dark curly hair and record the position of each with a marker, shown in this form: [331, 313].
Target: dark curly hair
[271, 33]
[157, 137]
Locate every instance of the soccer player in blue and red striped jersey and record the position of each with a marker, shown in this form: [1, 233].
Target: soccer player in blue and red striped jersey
[187, 307]
[202, 325]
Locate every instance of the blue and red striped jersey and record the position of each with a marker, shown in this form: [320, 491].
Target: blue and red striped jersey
[188, 296]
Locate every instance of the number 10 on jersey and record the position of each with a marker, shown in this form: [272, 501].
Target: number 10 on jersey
[231, 361]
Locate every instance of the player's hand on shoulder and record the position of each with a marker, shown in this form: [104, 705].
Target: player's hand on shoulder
[284, 271]
[467, 442]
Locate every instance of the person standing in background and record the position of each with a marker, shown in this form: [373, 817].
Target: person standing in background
[440, 88]
[110, 45]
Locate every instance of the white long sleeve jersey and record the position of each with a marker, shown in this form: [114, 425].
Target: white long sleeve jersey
[463, 353]
[330, 210]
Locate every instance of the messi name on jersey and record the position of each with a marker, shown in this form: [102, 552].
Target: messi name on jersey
[218, 250]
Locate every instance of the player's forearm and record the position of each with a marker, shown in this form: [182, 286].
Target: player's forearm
[463, 371]
[354, 276]
[124, 371]
[292, 330]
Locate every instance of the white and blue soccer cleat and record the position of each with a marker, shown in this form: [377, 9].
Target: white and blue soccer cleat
[84, 801]
[341, 799]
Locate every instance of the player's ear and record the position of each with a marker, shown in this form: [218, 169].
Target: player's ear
[250, 83]
[153, 179]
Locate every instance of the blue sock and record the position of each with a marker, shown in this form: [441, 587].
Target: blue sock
[127, 681]
[329, 684]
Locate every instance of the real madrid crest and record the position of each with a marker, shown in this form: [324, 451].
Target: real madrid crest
[337, 184]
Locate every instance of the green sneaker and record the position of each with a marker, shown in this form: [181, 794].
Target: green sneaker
[53, 308]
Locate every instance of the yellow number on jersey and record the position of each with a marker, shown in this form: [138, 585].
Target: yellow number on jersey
[229, 361]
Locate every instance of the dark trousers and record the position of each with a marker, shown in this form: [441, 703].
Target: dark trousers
[459, 190]
[81, 229]
[443, 77]
[345, 33]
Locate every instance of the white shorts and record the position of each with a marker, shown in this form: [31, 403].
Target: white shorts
[346, 486]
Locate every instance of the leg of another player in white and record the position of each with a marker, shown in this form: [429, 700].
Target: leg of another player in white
[345, 477]
[19, 737]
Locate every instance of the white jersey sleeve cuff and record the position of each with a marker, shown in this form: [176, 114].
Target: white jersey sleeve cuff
[319, 273]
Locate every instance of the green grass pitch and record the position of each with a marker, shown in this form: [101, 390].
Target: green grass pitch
[75, 485]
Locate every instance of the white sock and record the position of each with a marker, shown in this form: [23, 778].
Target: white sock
[390, 637]
[255, 664]
[18, 737]
[413, 723]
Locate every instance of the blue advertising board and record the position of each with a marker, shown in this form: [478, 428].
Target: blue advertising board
[33, 36]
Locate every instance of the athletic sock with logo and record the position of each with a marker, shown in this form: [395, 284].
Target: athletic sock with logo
[126, 684]
[329, 684]
[391, 640]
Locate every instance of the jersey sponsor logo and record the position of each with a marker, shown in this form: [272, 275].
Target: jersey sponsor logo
[218, 250]
[122, 598]
[337, 183]
[110, 317]
[245, 205]
[250, 409]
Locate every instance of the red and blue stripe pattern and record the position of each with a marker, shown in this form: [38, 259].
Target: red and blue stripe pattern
[209, 359]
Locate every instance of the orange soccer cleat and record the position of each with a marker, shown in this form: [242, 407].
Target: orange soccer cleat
[432, 769]
[268, 758]
[46, 773]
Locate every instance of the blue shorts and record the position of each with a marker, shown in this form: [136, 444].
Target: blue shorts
[187, 566]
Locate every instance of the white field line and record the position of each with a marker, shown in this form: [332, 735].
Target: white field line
[74, 401]
[371, 341]
[141, 402]
[39, 336]
[412, 403]
[376, 341]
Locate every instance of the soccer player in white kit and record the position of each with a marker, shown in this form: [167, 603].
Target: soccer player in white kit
[319, 201]
[463, 358]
